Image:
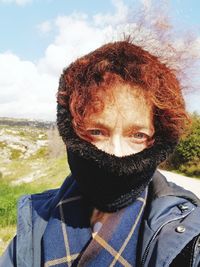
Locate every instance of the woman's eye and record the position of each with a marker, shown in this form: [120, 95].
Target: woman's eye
[95, 132]
[141, 136]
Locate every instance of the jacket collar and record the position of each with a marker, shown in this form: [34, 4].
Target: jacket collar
[164, 209]
[160, 187]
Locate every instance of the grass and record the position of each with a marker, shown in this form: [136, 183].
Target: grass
[6, 233]
[17, 169]
[2, 145]
[9, 195]
[15, 154]
[48, 170]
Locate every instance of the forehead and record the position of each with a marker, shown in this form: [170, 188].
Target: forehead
[126, 95]
[128, 103]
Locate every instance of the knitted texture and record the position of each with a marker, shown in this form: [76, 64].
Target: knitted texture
[109, 182]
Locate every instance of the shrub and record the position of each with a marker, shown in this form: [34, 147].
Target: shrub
[2, 145]
[186, 157]
[41, 153]
[15, 154]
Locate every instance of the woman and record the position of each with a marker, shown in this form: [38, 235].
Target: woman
[120, 113]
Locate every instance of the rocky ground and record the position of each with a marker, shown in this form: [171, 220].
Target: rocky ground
[32, 159]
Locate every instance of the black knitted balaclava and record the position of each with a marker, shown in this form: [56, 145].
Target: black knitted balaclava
[108, 182]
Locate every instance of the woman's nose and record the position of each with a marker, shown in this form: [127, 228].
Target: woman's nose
[116, 146]
[119, 147]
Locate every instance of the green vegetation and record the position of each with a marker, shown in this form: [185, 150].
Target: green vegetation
[27, 166]
[186, 158]
[41, 153]
[10, 194]
[2, 145]
[6, 233]
[15, 154]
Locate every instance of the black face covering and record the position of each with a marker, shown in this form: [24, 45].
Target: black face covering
[108, 182]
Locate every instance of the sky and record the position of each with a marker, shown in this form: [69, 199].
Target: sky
[38, 38]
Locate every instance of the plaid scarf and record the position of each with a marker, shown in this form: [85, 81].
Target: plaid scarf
[68, 240]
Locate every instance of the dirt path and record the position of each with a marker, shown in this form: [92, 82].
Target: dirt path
[188, 183]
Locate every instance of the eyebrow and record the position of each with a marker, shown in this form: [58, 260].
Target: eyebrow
[136, 126]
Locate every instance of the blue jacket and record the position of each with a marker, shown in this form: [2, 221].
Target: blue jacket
[169, 234]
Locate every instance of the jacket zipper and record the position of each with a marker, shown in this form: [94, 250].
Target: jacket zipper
[155, 234]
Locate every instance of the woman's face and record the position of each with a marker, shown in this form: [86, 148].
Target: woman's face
[125, 126]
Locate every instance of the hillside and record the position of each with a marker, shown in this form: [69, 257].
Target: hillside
[32, 159]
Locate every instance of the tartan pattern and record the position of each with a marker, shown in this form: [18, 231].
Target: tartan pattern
[68, 241]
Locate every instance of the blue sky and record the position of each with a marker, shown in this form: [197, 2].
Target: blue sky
[37, 34]
[18, 22]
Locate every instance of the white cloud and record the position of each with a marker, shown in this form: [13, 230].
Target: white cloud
[45, 27]
[18, 2]
[146, 4]
[26, 92]
[119, 17]
[29, 88]
[76, 36]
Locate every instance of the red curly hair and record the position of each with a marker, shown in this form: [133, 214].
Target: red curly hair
[91, 76]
